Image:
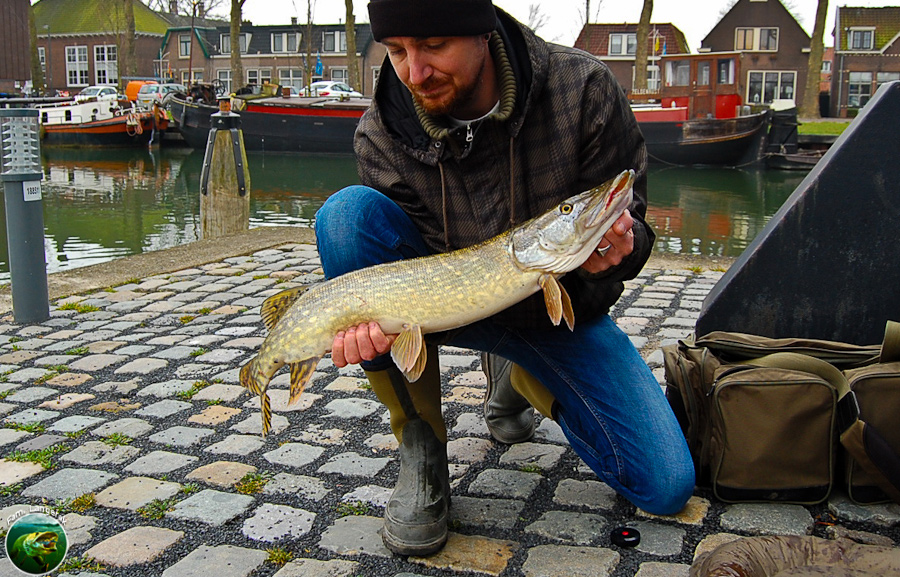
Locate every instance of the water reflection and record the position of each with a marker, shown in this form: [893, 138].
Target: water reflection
[104, 204]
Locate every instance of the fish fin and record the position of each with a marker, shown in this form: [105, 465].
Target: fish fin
[246, 379]
[567, 311]
[553, 292]
[265, 408]
[274, 307]
[300, 375]
[408, 352]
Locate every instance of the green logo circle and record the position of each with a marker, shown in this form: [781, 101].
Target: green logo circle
[36, 544]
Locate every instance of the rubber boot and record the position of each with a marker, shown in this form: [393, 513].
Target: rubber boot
[416, 515]
[508, 415]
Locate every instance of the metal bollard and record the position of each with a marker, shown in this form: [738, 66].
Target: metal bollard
[20, 172]
[225, 177]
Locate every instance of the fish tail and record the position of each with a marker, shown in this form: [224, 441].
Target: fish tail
[250, 377]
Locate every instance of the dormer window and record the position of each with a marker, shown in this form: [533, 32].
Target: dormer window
[622, 44]
[285, 41]
[225, 43]
[861, 38]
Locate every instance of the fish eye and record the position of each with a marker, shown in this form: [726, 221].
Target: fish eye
[565, 208]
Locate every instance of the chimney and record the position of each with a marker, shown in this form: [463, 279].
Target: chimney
[293, 20]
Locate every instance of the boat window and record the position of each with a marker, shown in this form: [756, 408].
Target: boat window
[678, 73]
[703, 73]
[725, 71]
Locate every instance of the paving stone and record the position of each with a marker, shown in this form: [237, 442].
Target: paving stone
[465, 395]
[115, 406]
[316, 568]
[135, 492]
[252, 425]
[490, 513]
[657, 569]
[166, 388]
[308, 487]
[10, 436]
[236, 445]
[179, 436]
[382, 442]
[211, 507]
[221, 392]
[29, 416]
[27, 375]
[128, 426]
[221, 473]
[354, 465]
[693, 513]
[591, 494]
[222, 560]
[134, 546]
[94, 453]
[294, 455]
[569, 561]
[78, 529]
[31, 394]
[214, 415]
[142, 366]
[469, 425]
[355, 535]
[883, 514]
[279, 401]
[13, 472]
[657, 539]
[352, 408]
[505, 483]
[468, 450]
[471, 553]
[7, 408]
[159, 462]
[577, 528]
[540, 455]
[369, 495]
[767, 519]
[66, 401]
[98, 362]
[69, 483]
[120, 387]
[271, 523]
[164, 408]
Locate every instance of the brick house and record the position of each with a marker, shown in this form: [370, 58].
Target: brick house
[79, 42]
[616, 44]
[866, 55]
[772, 48]
[15, 65]
[274, 54]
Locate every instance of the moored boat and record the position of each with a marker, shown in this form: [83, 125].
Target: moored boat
[285, 123]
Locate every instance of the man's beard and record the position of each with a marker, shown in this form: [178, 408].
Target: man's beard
[459, 96]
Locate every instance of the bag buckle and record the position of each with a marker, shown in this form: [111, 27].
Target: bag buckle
[847, 412]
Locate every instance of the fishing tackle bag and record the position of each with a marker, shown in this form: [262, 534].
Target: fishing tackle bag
[787, 419]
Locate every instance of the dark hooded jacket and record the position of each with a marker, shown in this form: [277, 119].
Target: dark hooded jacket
[563, 126]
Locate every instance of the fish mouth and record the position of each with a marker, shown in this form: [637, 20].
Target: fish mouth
[619, 194]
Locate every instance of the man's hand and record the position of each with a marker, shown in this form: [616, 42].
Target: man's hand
[360, 343]
[620, 240]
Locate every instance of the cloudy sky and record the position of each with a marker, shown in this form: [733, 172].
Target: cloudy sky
[564, 18]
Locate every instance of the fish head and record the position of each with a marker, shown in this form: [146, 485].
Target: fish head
[563, 238]
[42, 543]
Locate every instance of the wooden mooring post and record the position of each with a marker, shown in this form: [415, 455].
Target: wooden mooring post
[225, 177]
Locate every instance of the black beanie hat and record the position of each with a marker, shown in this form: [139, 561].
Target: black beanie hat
[426, 18]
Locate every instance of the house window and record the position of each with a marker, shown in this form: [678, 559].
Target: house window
[42, 56]
[339, 75]
[765, 87]
[678, 73]
[826, 67]
[259, 76]
[225, 43]
[756, 39]
[291, 77]
[284, 41]
[860, 89]
[622, 44]
[106, 65]
[652, 77]
[885, 77]
[77, 66]
[224, 76]
[334, 41]
[725, 71]
[196, 76]
[862, 39]
[184, 45]
[703, 74]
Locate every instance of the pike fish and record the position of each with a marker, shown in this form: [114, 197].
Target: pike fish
[435, 293]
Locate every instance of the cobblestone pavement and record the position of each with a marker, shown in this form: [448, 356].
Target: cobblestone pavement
[130, 396]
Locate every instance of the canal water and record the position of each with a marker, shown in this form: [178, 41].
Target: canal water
[105, 204]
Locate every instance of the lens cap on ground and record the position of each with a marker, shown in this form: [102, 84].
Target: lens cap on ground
[625, 537]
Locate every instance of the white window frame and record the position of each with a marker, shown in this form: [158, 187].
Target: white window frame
[184, 45]
[225, 42]
[285, 39]
[291, 77]
[340, 74]
[224, 76]
[106, 69]
[627, 42]
[870, 30]
[195, 76]
[676, 71]
[785, 86]
[42, 56]
[338, 39]
[77, 68]
[729, 64]
[756, 41]
[259, 76]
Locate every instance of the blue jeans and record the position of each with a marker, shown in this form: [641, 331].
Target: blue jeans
[609, 405]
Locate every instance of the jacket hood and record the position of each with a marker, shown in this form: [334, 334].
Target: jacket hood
[394, 105]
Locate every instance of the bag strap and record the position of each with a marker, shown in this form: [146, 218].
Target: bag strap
[863, 441]
[890, 348]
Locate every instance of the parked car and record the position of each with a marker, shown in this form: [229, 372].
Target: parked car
[158, 93]
[133, 86]
[98, 92]
[332, 88]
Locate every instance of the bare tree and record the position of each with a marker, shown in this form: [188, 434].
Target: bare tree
[643, 42]
[37, 73]
[198, 8]
[237, 68]
[809, 108]
[536, 18]
[352, 62]
[129, 48]
[309, 56]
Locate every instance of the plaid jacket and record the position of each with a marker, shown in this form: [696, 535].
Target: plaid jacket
[567, 128]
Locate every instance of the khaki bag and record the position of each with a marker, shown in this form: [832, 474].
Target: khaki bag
[779, 419]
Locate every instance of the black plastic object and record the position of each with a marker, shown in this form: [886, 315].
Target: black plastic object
[625, 537]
